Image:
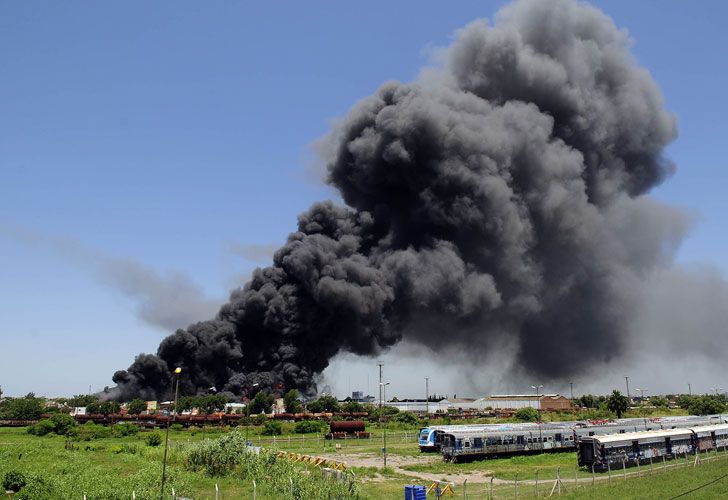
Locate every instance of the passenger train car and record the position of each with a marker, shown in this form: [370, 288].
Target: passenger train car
[624, 450]
[458, 443]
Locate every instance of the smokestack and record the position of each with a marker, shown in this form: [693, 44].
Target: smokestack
[501, 198]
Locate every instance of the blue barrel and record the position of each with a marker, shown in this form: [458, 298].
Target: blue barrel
[415, 492]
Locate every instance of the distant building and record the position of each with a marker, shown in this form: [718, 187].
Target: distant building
[278, 406]
[78, 410]
[151, 406]
[546, 402]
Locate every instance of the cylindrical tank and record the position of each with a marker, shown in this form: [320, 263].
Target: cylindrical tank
[348, 426]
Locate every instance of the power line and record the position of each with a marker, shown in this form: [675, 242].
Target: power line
[700, 487]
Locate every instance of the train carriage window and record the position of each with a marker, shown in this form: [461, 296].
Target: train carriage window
[530, 440]
[478, 442]
[558, 437]
[519, 439]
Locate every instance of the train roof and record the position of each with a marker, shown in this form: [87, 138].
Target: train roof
[628, 437]
[703, 430]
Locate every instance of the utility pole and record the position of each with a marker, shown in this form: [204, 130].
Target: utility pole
[627, 380]
[538, 401]
[427, 396]
[690, 389]
[571, 389]
[381, 415]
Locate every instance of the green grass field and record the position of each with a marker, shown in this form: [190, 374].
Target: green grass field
[111, 468]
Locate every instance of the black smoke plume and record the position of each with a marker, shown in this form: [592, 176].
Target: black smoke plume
[498, 199]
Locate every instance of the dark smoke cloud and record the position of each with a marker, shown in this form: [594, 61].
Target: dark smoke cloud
[498, 200]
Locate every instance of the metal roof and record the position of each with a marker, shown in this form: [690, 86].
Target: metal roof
[641, 436]
[707, 429]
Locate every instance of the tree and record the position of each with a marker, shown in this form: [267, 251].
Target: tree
[27, 408]
[617, 403]
[136, 406]
[81, 400]
[211, 403]
[352, 407]
[706, 405]
[660, 401]
[262, 402]
[186, 403]
[104, 408]
[527, 414]
[291, 402]
[325, 403]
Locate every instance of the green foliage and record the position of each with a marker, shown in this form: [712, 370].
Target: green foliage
[291, 402]
[659, 401]
[42, 428]
[272, 428]
[176, 427]
[26, 408]
[104, 407]
[310, 427]
[527, 414]
[81, 400]
[285, 479]
[14, 480]
[219, 457]
[90, 431]
[136, 406]
[259, 419]
[63, 424]
[617, 403]
[211, 403]
[125, 429]
[706, 405]
[407, 418]
[153, 438]
[262, 402]
[352, 407]
[325, 403]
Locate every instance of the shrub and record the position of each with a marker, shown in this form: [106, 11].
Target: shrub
[42, 428]
[527, 414]
[407, 418]
[89, 431]
[310, 427]
[177, 427]
[14, 480]
[272, 428]
[125, 429]
[260, 419]
[153, 439]
[63, 424]
[219, 457]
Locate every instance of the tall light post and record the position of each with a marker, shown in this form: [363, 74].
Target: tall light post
[642, 405]
[177, 371]
[247, 413]
[383, 390]
[626, 379]
[571, 390]
[427, 396]
[538, 409]
[690, 389]
[716, 389]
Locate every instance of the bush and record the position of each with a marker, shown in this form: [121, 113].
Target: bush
[90, 430]
[219, 457]
[407, 418]
[14, 480]
[310, 427]
[272, 428]
[125, 429]
[153, 439]
[260, 419]
[63, 424]
[177, 427]
[42, 428]
[527, 414]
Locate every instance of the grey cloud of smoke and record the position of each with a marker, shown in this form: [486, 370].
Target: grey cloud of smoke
[497, 204]
[166, 300]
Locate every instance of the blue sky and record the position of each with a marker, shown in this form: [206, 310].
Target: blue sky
[170, 134]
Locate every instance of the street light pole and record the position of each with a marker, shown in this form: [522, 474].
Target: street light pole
[427, 396]
[177, 371]
[538, 401]
[626, 379]
[642, 405]
[247, 413]
[383, 389]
